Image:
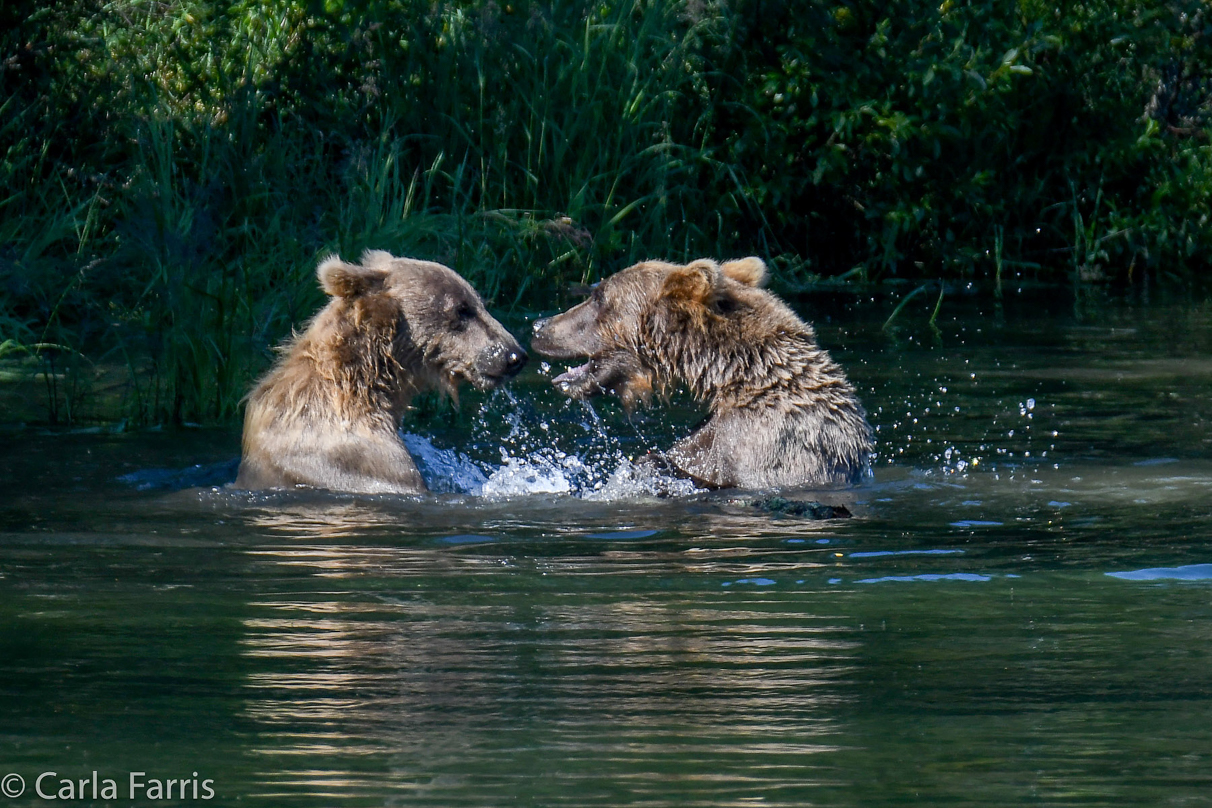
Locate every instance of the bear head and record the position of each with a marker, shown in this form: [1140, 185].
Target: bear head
[657, 322]
[420, 317]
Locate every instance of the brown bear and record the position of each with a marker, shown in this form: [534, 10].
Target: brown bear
[782, 413]
[326, 415]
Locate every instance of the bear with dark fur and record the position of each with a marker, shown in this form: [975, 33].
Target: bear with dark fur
[327, 414]
[782, 413]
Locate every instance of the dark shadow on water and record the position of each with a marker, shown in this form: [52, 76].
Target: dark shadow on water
[198, 476]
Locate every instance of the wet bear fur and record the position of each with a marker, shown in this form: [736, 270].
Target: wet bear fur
[326, 415]
[782, 413]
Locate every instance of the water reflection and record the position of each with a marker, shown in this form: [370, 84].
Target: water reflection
[1188, 572]
[325, 519]
[460, 659]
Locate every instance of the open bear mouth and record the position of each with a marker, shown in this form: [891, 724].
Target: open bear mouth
[615, 373]
[478, 379]
[573, 375]
[486, 381]
[582, 381]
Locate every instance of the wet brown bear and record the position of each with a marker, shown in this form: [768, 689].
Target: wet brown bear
[781, 411]
[326, 415]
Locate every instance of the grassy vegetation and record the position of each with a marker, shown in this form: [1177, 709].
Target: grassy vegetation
[170, 171]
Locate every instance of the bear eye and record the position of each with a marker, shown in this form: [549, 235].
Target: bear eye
[462, 314]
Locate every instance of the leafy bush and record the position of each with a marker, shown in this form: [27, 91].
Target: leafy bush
[917, 140]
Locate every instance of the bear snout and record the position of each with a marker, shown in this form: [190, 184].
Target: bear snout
[564, 336]
[539, 339]
[538, 333]
[499, 362]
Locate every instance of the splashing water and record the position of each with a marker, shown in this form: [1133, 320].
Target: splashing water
[445, 470]
[580, 458]
[629, 481]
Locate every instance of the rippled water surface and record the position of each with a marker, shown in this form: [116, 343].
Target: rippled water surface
[1019, 613]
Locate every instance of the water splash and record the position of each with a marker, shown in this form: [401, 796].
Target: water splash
[1017, 435]
[445, 470]
[631, 481]
[571, 453]
[537, 474]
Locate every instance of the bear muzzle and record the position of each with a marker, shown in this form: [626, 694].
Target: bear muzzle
[564, 337]
[497, 363]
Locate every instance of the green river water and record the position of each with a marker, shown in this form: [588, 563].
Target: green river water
[1019, 613]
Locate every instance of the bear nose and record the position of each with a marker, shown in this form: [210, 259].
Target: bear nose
[515, 361]
[539, 325]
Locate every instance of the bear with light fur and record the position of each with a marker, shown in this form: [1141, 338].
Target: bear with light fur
[781, 412]
[327, 414]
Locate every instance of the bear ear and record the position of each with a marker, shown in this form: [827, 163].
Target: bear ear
[340, 279]
[377, 259]
[750, 271]
[696, 281]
